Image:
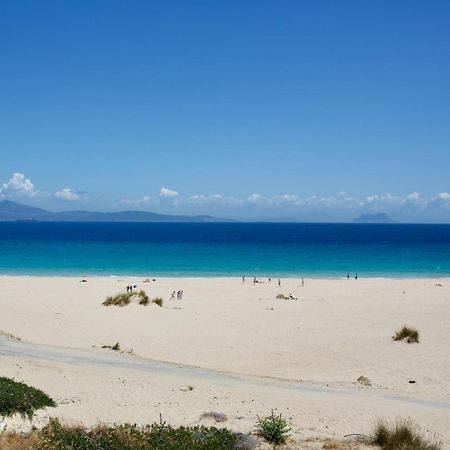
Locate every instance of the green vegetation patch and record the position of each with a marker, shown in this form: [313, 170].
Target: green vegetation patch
[159, 436]
[273, 429]
[17, 397]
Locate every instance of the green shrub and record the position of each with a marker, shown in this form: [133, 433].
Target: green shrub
[273, 429]
[16, 397]
[159, 436]
[403, 436]
[282, 297]
[410, 334]
[158, 301]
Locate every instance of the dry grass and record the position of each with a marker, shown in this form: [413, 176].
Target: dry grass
[410, 334]
[282, 297]
[125, 299]
[115, 347]
[15, 441]
[216, 416]
[402, 436]
[143, 298]
[119, 299]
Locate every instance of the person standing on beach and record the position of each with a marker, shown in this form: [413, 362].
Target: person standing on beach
[243, 279]
[279, 282]
[303, 282]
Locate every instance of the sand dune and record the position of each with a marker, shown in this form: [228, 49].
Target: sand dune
[300, 356]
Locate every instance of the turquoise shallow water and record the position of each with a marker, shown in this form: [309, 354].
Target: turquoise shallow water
[224, 249]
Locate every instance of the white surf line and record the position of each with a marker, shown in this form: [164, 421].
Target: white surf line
[21, 349]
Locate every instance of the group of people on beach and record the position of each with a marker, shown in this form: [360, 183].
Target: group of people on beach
[130, 288]
[255, 280]
[179, 295]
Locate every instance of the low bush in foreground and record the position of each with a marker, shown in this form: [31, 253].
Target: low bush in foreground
[16, 397]
[159, 436]
[282, 297]
[402, 436]
[273, 429]
[410, 334]
[158, 301]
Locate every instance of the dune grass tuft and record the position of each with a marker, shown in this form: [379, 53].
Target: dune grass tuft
[143, 298]
[17, 397]
[125, 299]
[402, 436]
[282, 297]
[410, 334]
[119, 299]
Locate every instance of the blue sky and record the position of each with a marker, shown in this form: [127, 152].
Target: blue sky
[306, 110]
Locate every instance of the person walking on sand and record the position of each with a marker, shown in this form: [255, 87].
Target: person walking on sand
[356, 276]
[172, 297]
[279, 282]
[243, 279]
[303, 282]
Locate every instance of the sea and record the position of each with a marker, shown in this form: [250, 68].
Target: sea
[224, 249]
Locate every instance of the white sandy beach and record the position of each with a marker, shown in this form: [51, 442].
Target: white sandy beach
[302, 357]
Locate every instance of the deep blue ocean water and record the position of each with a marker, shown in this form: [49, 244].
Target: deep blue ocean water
[224, 249]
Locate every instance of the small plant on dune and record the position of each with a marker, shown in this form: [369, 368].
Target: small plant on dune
[16, 397]
[274, 429]
[158, 301]
[115, 347]
[119, 299]
[282, 297]
[217, 416]
[143, 298]
[403, 436]
[410, 334]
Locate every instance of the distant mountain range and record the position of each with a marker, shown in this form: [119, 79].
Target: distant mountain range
[373, 218]
[12, 211]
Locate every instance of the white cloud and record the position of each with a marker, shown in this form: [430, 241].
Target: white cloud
[256, 199]
[206, 198]
[18, 184]
[145, 200]
[287, 198]
[67, 194]
[444, 196]
[168, 193]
